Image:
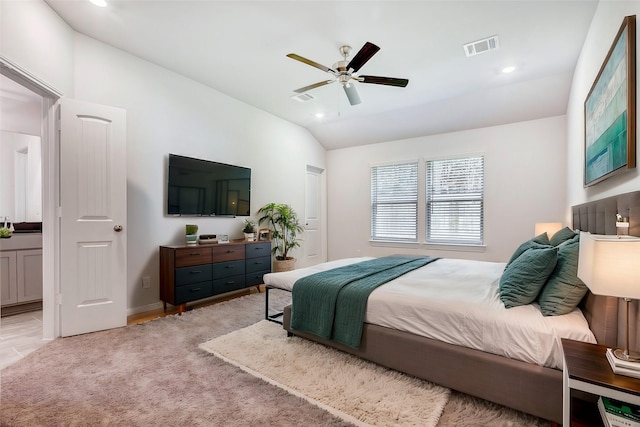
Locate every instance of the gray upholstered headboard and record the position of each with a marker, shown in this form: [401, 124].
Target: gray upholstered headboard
[606, 314]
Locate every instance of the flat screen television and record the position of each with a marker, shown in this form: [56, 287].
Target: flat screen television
[206, 188]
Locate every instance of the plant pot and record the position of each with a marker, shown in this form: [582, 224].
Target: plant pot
[284, 265]
[250, 237]
[192, 239]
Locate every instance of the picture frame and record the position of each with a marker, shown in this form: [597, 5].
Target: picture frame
[223, 238]
[610, 110]
[264, 234]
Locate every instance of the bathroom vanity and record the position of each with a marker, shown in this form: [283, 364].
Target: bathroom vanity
[21, 273]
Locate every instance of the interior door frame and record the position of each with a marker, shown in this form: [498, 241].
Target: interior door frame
[50, 195]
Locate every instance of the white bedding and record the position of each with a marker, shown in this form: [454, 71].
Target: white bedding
[457, 302]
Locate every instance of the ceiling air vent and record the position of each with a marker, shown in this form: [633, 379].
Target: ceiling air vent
[303, 97]
[481, 46]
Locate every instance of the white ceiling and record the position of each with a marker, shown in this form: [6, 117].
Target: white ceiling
[239, 48]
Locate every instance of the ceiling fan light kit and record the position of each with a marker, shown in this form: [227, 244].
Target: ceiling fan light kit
[345, 71]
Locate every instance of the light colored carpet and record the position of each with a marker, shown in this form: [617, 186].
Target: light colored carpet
[356, 390]
[154, 374]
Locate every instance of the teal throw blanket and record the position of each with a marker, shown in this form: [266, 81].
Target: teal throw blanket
[332, 304]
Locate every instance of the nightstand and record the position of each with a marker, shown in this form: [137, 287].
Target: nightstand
[586, 369]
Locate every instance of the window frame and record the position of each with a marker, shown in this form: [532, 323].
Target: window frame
[374, 235]
[455, 243]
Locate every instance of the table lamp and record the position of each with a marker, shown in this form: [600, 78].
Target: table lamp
[550, 228]
[610, 265]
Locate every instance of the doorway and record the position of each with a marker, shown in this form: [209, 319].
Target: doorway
[27, 85]
[20, 197]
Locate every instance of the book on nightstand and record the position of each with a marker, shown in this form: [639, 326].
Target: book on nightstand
[618, 414]
[621, 367]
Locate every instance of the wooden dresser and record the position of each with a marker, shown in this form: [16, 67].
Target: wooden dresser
[190, 273]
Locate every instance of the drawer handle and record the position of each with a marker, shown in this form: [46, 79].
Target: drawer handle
[195, 290]
[194, 254]
[231, 283]
[229, 266]
[195, 272]
[230, 252]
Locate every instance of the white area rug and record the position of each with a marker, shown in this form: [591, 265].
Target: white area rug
[358, 391]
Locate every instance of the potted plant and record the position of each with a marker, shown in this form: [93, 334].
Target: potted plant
[249, 230]
[191, 234]
[5, 233]
[285, 226]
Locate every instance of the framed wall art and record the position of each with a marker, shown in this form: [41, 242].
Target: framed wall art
[610, 110]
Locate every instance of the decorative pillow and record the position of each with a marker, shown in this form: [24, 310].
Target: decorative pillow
[523, 279]
[540, 241]
[564, 290]
[562, 236]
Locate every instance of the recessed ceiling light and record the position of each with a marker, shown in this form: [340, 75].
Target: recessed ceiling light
[99, 3]
[319, 115]
[508, 70]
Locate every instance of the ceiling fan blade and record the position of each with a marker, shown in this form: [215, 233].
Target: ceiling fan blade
[389, 81]
[313, 86]
[352, 94]
[363, 55]
[312, 63]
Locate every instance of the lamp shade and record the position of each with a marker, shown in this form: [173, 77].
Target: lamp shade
[610, 265]
[550, 228]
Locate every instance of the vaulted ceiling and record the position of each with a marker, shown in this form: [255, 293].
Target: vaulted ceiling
[240, 47]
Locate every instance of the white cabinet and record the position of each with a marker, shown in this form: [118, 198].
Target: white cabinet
[20, 276]
[29, 269]
[8, 278]
[20, 270]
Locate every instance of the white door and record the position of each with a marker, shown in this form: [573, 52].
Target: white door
[313, 216]
[93, 233]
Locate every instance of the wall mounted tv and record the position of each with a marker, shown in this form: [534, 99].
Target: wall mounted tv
[206, 188]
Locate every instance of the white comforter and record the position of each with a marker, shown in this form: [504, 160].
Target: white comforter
[457, 302]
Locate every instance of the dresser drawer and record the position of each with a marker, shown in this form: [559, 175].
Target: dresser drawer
[256, 278]
[193, 274]
[228, 284]
[193, 256]
[255, 250]
[227, 269]
[258, 264]
[193, 292]
[227, 252]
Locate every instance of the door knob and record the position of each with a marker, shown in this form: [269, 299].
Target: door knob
[117, 228]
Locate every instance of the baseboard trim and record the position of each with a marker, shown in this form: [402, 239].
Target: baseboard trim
[143, 308]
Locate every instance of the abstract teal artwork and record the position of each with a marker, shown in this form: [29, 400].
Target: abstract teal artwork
[610, 111]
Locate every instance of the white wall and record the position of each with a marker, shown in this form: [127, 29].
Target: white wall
[166, 113]
[34, 37]
[604, 27]
[524, 184]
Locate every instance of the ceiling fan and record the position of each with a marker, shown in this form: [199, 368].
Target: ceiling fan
[344, 72]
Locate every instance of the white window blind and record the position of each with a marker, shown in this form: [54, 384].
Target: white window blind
[394, 202]
[455, 201]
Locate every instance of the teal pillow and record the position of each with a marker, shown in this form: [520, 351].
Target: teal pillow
[543, 239]
[564, 290]
[523, 279]
[540, 241]
[562, 236]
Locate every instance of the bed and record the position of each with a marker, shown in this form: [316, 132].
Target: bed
[507, 376]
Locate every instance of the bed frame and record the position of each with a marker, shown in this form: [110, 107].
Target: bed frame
[523, 386]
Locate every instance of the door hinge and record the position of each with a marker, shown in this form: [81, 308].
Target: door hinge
[59, 299]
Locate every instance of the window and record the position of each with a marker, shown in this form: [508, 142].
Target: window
[394, 202]
[455, 203]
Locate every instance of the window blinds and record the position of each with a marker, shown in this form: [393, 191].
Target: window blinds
[394, 202]
[455, 200]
